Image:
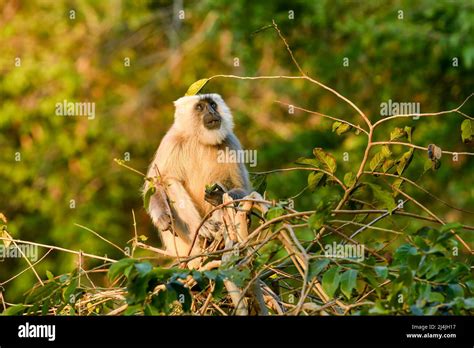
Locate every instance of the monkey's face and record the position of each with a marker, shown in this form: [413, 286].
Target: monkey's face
[205, 116]
[206, 110]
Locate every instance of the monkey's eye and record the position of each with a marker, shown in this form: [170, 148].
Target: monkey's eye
[214, 105]
[199, 107]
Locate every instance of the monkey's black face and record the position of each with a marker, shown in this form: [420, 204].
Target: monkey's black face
[206, 109]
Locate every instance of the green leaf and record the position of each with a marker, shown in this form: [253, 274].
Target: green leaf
[397, 184]
[436, 297]
[197, 276]
[376, 161]
[397, 133]
[146, 198]
[143, 268]
[133, 309]
[451, 226]
[381, 271]
[408, 132]
[331, 280]
[14, 310]
[349, 179]
[117, 268]
[387, 165]
[385, 198]
[467, 131]
[182, 295]
[328, 162]
[469, 303]
[386, 151]
[378, 308]
[405, 276]
[49, 275]
[340, 127]
[316, 220]
[348, 282]
[70, 290]
[404, 161]
[336, 125]
[310, 161]
[218, 287]
[455, 290]
[40, 293]
[274, 212]
[151, 310]
[314, 179]
[470, 285]
[196, 87]
[316, 267]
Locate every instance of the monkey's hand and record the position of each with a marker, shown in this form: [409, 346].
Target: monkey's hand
[211, 229]
[214, 194]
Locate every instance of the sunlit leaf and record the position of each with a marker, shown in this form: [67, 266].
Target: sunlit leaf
[328, 162]
[404, 161]
[376, 161]
[314, 179]
[387, 165]
[310, 161]
[196, 87]
[349, 179]
[397, 133]
[340, 127]
[408, 131]
[146, 198]
[386, 151]
[467, 131]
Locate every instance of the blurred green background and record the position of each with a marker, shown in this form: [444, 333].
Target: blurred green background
[84, 59]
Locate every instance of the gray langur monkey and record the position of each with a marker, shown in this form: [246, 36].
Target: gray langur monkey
[185, 163]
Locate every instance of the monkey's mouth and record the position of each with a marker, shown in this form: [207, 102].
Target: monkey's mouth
[212, 123]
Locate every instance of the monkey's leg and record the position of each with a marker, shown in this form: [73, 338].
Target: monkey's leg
[187, 218]
[159, 209]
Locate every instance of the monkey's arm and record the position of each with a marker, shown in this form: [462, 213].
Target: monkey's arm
[187, 217]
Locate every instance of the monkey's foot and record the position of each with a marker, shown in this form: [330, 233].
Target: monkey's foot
[163, 222]
[211, 229]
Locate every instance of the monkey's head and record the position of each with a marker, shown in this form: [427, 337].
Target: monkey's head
[204, 115]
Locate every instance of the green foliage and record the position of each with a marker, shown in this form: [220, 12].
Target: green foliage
[467, 131]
